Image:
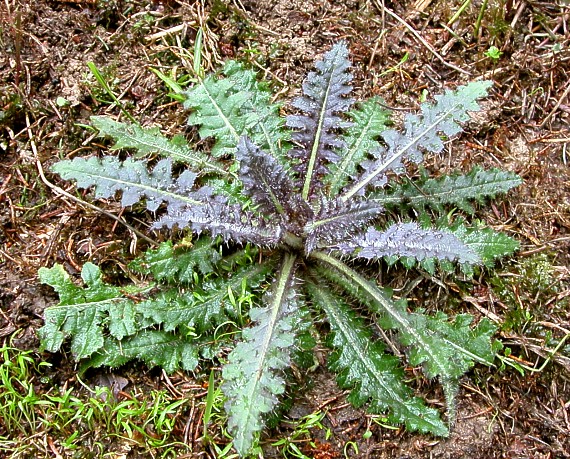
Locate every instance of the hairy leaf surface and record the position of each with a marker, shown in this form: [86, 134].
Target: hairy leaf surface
[204, 307]
[225, 220]
[409, 240]
[431, 345]
[323, 100]
[369, 121]
[457, 190]
[150, 140]
[266, 181]
[287, 202]
[373, 375]
[228, 108]
[83, 313]
[421, 132]
[337, 220]
[253, 376]
[179, 264]
[153, 347]
[486, 242]
[109, 175]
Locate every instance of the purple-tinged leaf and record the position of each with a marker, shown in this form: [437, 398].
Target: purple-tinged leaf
[421, 133]
[222, 219]
[109, 175]
[409, 240]
[268, 184]
[338, 220]
[323, 99]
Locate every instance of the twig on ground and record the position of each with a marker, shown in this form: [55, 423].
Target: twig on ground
[420, 38]
[558, 103]
[62, 192]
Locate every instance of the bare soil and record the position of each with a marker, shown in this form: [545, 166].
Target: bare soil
[401, 51]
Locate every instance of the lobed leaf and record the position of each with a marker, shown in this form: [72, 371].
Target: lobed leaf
[485, 242]
[109, 175]
[373, 375]
[178, 264]
[225, 220]
[155, 348]
[84, 313]
[150, 141]
[253, 375]
[421, 132]
[323, 100]
[264, 124]
[229, 108]
[205, 307]
[441, 353]
[369, 120]
[409, 240]
[456, 190]
[268, 184]
[337, 221]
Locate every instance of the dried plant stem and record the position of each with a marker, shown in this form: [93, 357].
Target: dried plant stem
[62, 192]
[420, 39]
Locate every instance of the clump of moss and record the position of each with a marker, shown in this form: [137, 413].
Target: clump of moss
[528, 291]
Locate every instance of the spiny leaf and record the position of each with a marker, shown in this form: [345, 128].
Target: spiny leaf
[294, 217]
[456, 190]
[216, 109]
[409, 240]
[253, 378]
[206, 306]
[110, 175]
[154, 347]
[428, 346]
[370, 120]
[228, 108]
[323, 99]
[263, 123]
[455, 341]
[150, 140]
[82, 312]
[372, 374]
[266, 181]
[228, 221]
[336, 221]
[487, 243]
[178, 264]
[421, 132]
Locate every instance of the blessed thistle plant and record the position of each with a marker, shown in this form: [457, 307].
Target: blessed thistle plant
[282, 211]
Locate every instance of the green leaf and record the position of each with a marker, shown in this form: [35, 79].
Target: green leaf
[263, 123]
[371, 373]
[370, 120]
[203, 307]
[123, 320]
[155, 348]
[252, 376]
[178, 264]
[427, 346]
[57, 278]
[83, 312]
[486, 242]
[456, 190]
[228, 108]
[150, 141]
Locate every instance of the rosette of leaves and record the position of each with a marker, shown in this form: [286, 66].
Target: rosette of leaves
[281, 210]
